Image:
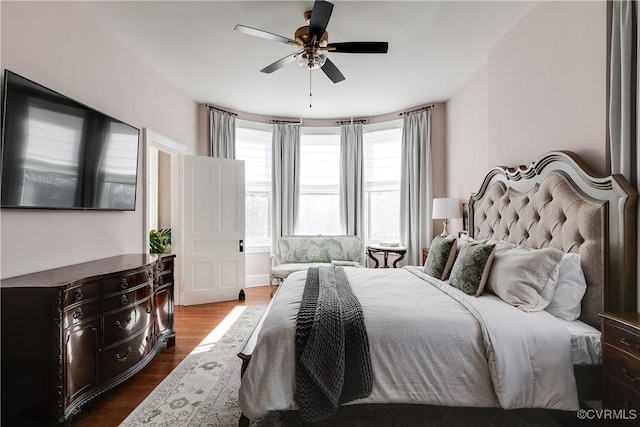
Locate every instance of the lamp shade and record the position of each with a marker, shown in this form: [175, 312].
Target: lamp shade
[447, 208]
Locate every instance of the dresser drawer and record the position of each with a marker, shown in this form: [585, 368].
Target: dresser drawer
[623, 368]
[81, 293]
[620, 397]
[128, 281]
[620, 337]
[165, 264]
[125, 299]
[165, 278]
[117, 359]
[79, 312]
[122, 324]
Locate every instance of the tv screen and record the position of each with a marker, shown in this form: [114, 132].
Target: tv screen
[60, 154]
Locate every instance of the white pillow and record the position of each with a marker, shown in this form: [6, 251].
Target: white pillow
[570, 289]
[525, 278]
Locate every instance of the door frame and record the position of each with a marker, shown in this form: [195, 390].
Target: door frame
[169, 146]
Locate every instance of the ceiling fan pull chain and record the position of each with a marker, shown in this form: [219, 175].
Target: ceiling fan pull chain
[310, 88]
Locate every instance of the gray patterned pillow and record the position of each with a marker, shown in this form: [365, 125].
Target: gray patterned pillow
[442, 253]
[471, 269]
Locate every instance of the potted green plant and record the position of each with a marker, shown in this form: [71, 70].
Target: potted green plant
[159, 240]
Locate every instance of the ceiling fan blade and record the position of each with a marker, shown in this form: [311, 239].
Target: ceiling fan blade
[332, 71]
[264, 34]
[320, 16]
[359, 47]
[279, 63]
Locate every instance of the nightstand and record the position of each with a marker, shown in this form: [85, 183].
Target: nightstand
[621, 363]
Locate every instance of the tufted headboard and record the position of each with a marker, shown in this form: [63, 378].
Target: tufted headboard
[558, 202]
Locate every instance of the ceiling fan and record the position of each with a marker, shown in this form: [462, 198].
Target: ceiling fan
[312, 40]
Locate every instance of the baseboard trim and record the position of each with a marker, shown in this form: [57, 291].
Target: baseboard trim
[256, 280]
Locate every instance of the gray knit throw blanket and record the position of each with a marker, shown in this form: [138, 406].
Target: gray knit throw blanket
[333, 364]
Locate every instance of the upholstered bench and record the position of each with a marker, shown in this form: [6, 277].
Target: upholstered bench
[297, 253]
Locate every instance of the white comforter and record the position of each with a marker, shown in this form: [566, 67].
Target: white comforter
[429, 343]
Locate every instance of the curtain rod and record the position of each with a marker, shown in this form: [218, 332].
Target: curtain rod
[286, 122]
[221, 110]
[428, 107]
[351, 121]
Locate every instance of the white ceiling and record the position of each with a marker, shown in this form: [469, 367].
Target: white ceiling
[434, 48]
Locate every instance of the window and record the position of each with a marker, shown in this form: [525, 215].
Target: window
[382, 146]
[319, 181]
[253, 145]
[319, 211]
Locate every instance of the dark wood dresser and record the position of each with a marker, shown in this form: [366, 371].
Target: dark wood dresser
[621, 365]
[71, 333]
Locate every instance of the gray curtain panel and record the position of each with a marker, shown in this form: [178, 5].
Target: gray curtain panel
[222, 131]
[623, 96]
[285, 181]
[351, 180]
[623, 101]
[416, 193]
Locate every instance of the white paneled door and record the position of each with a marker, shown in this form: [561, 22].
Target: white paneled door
[213, 229]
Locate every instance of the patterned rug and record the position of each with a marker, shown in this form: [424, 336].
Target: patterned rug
[203, 391]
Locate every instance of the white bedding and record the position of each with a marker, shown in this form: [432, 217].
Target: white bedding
[585, 343]
[429, 343]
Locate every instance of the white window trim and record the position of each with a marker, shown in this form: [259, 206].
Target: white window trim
[381, 187]
[257, 245]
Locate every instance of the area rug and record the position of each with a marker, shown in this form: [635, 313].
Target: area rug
[203, 391]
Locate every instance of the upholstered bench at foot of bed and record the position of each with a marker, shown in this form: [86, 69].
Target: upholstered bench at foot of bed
[282, 271]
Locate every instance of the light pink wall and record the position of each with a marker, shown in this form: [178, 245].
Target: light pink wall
[468, 136]
[438, 149]
[543, 89]
[58, 45]
[547, 85]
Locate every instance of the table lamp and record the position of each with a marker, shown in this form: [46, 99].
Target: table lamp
[445, 209]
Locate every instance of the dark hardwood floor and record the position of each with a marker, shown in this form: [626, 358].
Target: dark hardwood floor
[192, 324]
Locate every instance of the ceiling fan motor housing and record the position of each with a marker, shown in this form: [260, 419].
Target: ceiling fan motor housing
[303, 38]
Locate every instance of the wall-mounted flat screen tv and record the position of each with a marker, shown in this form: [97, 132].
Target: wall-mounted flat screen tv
[60, 154]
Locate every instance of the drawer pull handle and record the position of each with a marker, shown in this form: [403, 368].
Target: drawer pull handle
[78, 314]
[121, 359]
[124, 300]
[630, 377]
[79, 295]
[124, 324]
[148, 309]
[630, 343]
[124, 284]
[149, 274]
[160, 281]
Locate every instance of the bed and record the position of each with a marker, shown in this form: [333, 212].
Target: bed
[432, 344]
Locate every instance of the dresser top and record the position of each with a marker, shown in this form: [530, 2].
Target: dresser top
[64, 275]
[629, 319]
